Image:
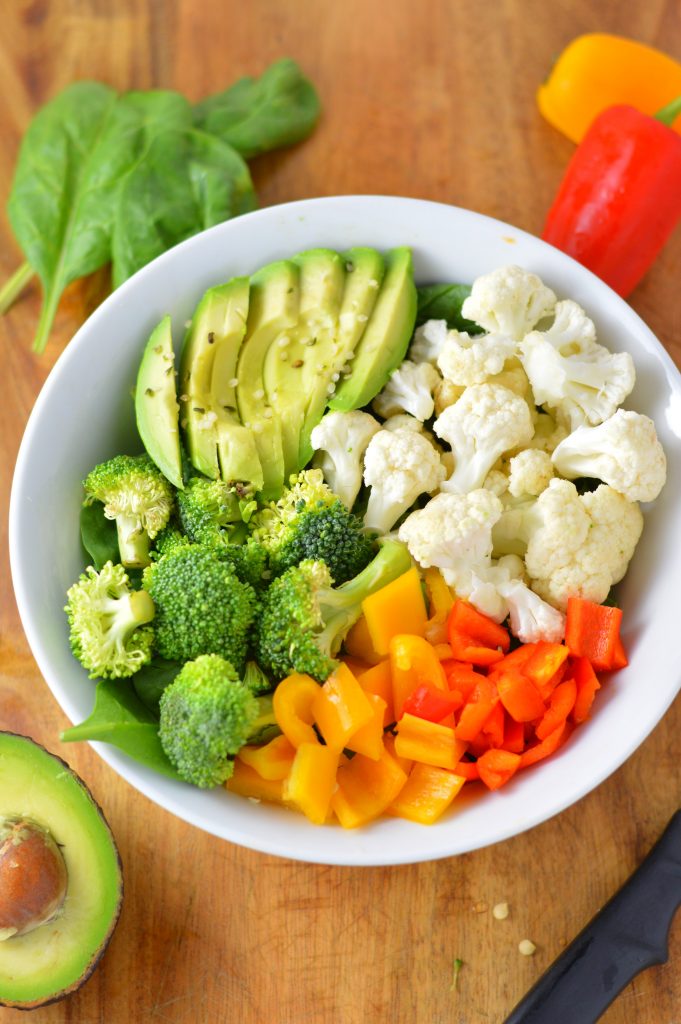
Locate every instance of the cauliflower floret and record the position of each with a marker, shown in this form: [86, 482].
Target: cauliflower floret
[548, 432]
[485, 590]
[509, 301]
[532, 619]
[496, 481]
[410, 389]
[487, 421]
[403, 421]
[446, 394]
[399, 465]
[340, 440]
[530, 472]
[623, 451]
[472, 360]
[428, 341]
[576, 545]
[514, 378]
[571, 372]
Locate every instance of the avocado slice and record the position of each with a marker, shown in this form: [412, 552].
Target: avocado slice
[273, 310]
[40, 796]
[300, 358]
[364, 272]
[386, 336]
[156, 408]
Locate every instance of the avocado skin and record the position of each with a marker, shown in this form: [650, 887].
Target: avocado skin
[393, 318]
[99, 952]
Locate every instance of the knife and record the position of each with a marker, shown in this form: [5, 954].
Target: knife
[629, 934]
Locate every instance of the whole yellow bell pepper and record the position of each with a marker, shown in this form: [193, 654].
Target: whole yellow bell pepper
[597, 71]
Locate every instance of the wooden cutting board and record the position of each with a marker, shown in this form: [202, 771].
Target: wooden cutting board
[434, 100]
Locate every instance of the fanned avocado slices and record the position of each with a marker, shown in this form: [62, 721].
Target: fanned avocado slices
[273, 310]
[156, 408]
[219, 445]
[386, 337]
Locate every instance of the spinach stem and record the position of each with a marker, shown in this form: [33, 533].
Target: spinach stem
[14, 286]
[49, 308]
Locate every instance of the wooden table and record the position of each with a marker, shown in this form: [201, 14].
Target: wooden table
[434, 100]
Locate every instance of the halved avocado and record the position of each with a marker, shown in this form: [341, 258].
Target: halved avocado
[386, 337]
[156, 407]
[50, 824]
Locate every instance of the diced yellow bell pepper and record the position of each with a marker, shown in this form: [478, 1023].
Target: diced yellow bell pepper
[413, 662]
[405, 763]
[358, 643]
[292, 702]
[379, 680]
[397, 608]
[356, 666]
[444, 652]
[366, 788]
[246, 782]
[599, 70]
[426, 794]
[368, 739]
[341, 707]
[440, 599]
[312, 780]
[428, 742]
[273, 761]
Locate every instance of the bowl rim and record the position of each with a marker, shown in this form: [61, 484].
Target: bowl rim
[143, 779]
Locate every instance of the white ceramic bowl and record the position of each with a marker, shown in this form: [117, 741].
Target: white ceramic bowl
[84, 414]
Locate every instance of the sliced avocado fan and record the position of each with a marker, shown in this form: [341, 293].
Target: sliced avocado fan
[156, 408]
[386, 336]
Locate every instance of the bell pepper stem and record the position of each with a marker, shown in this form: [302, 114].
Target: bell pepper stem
[668, 114]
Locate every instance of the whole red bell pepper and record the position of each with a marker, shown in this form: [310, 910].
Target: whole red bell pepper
[620, 198]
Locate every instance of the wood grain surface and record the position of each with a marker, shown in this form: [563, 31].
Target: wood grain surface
[436, 100]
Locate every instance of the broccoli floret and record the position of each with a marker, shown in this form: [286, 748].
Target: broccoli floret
[170, 538]
[201, 606]
[248, 561]
[137, 495]
[256, 680]
[304, 620]
[208, 509]
[207, 715]
[109, 632]
[310, 522]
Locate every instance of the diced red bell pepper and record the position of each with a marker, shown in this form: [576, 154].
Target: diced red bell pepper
[592, 631]
[496, 767]
[587, 683]
[431, 704]
[474, 637]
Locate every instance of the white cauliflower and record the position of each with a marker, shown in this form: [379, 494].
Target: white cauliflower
[569, 371]
[575, 545]
[340, 440]
[509, 301]
[487, 421]
[403, 421]
[399, 465]
[410, 389]
[531, 618]
[530, 472]
[428, 341]
[471, 359]
[446, 394]
[496, 481]
[548, 432]
[623, 451]
[514, 378]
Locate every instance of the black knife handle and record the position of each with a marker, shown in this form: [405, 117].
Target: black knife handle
[629, 934]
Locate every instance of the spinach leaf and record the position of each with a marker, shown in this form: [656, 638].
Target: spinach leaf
[444, 302]
[188, 181]
[119, 717]
[151, 681]
[61, 205]
[258, 114]
[98, 535]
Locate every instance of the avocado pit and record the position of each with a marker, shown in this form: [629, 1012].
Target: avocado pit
[33, 876]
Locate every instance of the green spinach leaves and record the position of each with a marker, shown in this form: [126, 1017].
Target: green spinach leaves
[103, 177]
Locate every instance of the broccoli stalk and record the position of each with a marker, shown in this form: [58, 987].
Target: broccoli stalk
[108, 623]
[304, 620]
[137, 495]
[206, 715]
[309, 521]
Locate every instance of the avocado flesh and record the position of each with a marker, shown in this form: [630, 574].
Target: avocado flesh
[296, 361]
[386, 336]
[156, 408]
[273, 310]
[219, 445]
[59, 956]
[365, 269]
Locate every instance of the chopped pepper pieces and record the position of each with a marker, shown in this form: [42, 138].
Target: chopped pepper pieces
[592, 630]
[426, 794]
[397, 608]
[475, 638]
